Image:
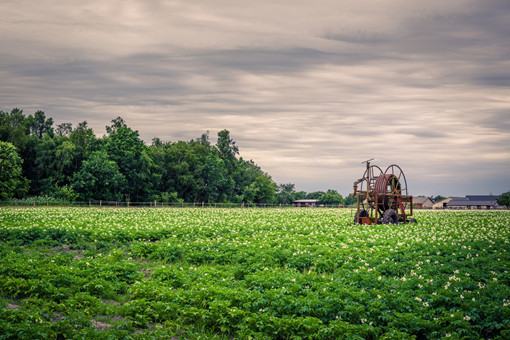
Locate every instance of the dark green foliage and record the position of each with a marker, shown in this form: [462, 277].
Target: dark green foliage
[125, 148]
[438, 198]
[72, 164]
[315, 195]
[11, 181]
[99, 179]
[14, 128]
[332, 197]
[504, 199]
[285, 193]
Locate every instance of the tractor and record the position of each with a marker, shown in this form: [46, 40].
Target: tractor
[382, 197]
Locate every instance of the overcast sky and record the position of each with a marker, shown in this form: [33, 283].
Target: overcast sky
[307, 89]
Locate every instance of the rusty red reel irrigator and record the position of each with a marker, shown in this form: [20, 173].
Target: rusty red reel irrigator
[382, 197]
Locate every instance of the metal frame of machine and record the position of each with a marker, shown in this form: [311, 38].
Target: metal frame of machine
[382, 197]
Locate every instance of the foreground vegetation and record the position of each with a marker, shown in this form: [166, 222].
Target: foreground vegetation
[261, 273]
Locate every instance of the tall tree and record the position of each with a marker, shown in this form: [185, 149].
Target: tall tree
[64, 129]
[126, 149]
[99, 179]
[11, 181]
[218, 183]
[228, 150]
[14, 128]
[285, 193]
[38, 124]
[331, 197]
[437, 198]
[315, 195]
[264, 189]
[117, 123]
[504, 199]
[84, 141]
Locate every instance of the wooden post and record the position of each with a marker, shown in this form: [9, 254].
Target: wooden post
[100, 203]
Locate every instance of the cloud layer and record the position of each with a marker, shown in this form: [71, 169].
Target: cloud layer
[308, 90]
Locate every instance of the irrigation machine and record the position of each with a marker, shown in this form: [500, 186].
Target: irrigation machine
[382, 196]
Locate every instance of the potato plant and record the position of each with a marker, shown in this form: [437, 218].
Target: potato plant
[252, 273]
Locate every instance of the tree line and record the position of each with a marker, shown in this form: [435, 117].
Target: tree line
[38, 158]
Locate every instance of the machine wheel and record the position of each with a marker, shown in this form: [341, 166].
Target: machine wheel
[362, 213]
[413, 220]
[390, 217]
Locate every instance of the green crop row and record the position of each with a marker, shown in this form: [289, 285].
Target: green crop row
[252, 273]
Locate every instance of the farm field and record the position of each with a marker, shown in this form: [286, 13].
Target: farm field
[252, 273]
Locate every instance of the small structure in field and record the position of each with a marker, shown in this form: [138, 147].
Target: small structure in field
[305, 203]
[422, 202]
[442, 203]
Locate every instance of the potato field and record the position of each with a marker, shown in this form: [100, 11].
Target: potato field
[294, 273]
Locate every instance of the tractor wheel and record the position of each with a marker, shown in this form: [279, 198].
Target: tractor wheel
[362, 213]
[390, 217]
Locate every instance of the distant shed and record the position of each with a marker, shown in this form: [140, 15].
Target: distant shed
[305, 203]
[423, 202]
[442, 203]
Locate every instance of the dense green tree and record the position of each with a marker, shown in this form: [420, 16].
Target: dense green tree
[39, 125]
[315, 195]
[65, 153]
[125, 148]
[56, 162]
[246, 173]
[64, 129]
[99, 179]
[299, 195]
[12, 183]
[228, 151]
[14, 128]
[263, 189]
[349, 200]
[285, 193]
[504, 199]
[331, 197]
[85, 142]
[438, 198]
[217, 182]
[117, 123]
[42, 172]
[182, 168]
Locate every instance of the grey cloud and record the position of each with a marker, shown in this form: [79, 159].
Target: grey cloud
[307, 96]
[500, 80]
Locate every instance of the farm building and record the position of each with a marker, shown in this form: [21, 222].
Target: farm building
[442, 203]
[422, 202]
[305, 203]
[474, 202]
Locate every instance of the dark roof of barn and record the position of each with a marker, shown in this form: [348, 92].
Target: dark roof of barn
[470, 203]
[482, 197]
